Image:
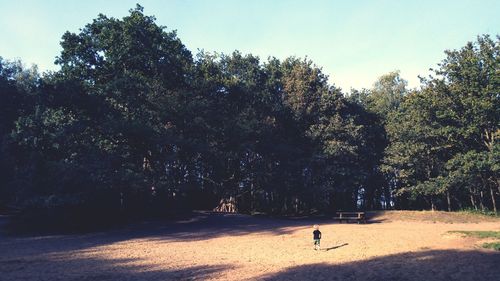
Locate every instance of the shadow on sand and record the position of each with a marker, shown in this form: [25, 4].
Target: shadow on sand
[98, 269]
[196, 226]
[54, 257]
[437, 265]
[442, 265]
[336, 247]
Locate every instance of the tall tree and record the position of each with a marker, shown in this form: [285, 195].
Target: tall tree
[454, 117]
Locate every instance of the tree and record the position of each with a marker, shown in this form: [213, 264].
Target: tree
[18, 86]
[387, 94]
[454, 115]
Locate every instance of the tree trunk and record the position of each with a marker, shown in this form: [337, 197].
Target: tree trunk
[387, 197]
[498, 185]
[355, 197]
[369, 198]
[492, 193]
[473, 202]
[252, 205]
[433, 205]
[481, 200]
[448, 200]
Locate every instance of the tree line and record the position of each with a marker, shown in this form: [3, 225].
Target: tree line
[134, 122]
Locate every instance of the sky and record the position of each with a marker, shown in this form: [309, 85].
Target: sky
[354, 42]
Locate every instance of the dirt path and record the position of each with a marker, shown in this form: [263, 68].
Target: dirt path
[237, 247]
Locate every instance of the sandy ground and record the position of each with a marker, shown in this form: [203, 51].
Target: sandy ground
[237, 247]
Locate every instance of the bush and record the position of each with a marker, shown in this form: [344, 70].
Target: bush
[493, 245]
[479, 212]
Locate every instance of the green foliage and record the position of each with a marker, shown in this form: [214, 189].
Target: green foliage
[387, 93]
[131, 110]
[483, 235]
[479, 212]
[492, 245]
[133, 121]
[442, 138]
[479, 234]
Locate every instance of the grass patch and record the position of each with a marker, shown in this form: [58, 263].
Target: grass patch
[479, 234]
[479, 212]
[483, 234]
[432, 217]
[493, 245]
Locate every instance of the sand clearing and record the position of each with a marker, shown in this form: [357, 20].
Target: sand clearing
[238, 247]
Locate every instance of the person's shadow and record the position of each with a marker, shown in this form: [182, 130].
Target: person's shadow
[336, 247]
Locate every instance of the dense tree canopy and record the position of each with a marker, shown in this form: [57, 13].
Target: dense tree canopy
[442, 138]
[133, 122]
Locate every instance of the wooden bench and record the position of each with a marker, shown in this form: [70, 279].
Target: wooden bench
[350, 216]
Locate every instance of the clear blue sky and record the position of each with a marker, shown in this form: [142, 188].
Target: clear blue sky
[353, 41]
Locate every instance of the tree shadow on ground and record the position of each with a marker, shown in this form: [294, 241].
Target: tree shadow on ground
[375, 216]
[197, 226]
[436, 265]
[84, 268]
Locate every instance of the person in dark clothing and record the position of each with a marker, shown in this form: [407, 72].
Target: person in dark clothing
[316, 237]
